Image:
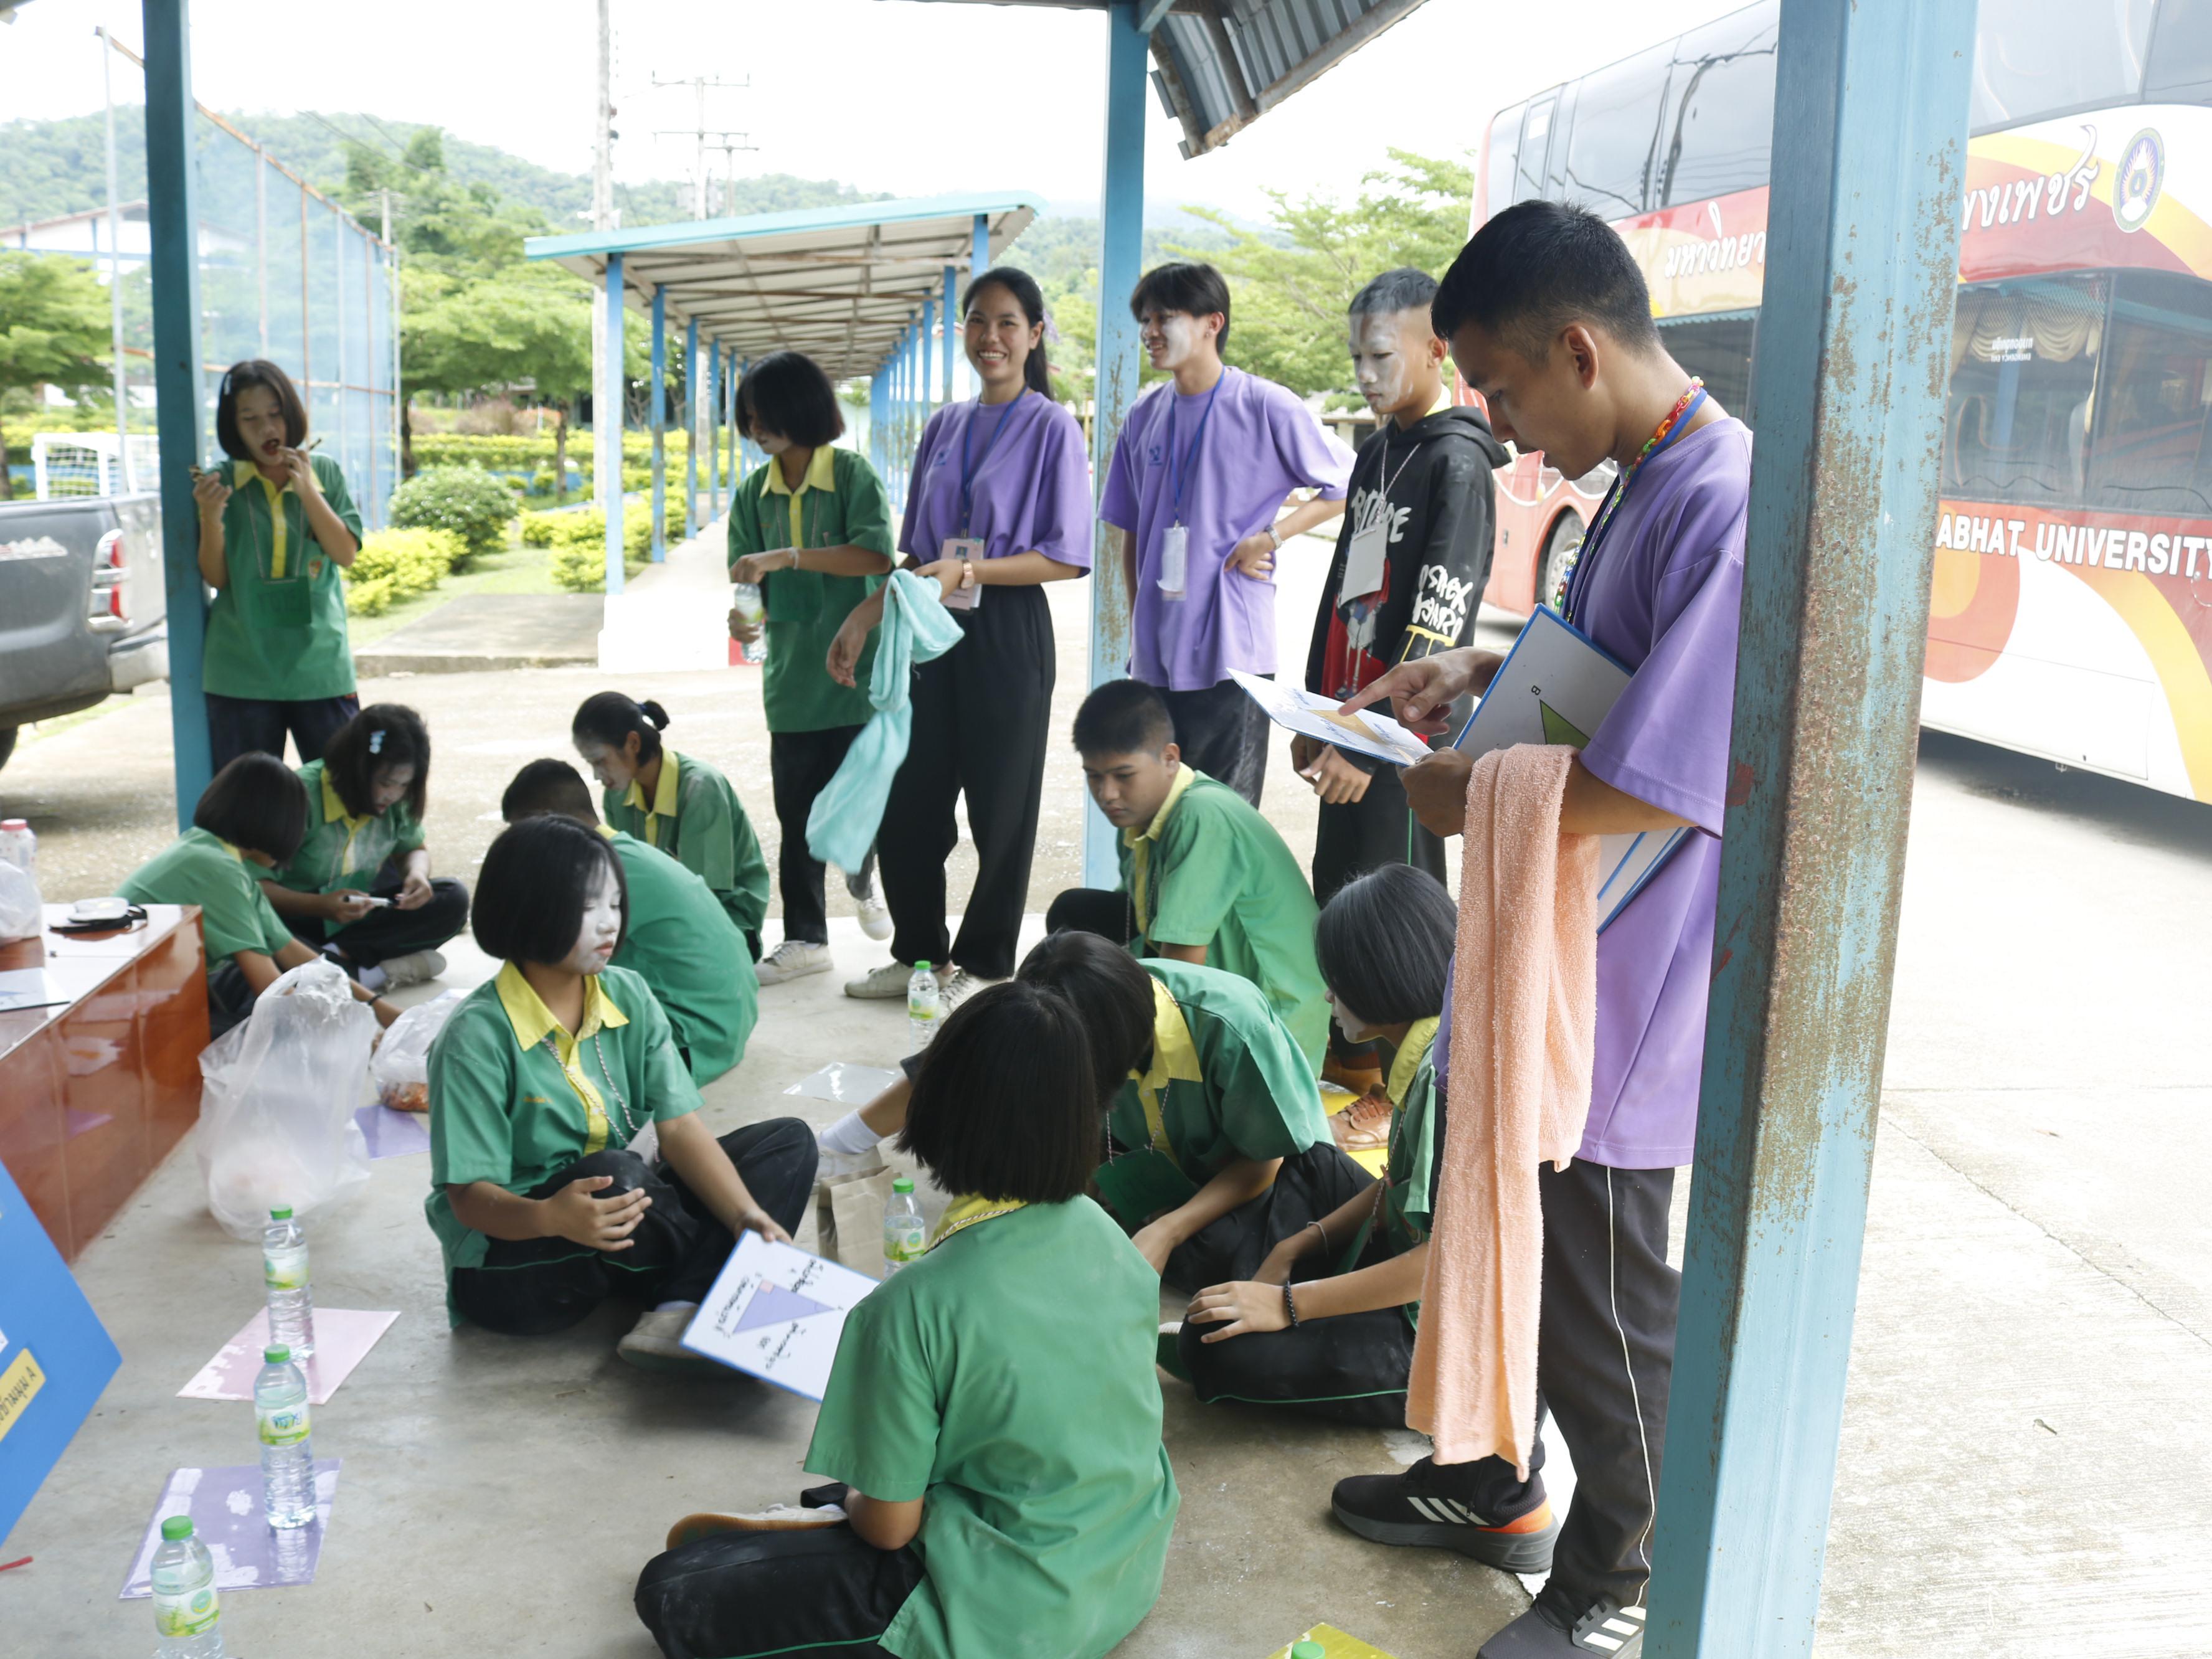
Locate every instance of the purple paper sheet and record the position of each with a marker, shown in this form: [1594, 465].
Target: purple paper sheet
[393, 1135]
[225, 1505]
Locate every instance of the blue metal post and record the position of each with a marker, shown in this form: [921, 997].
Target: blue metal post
[951, 331]
[978, 257]
[730, 422]
[690, 428]
[714, 435]
[173, 226]
[609, 411]
[1121, 246]
[926, 344]
[1853, 357]
[658, 424]
[876, 424]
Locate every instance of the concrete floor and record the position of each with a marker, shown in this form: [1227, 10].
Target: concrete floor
[2025, 1453]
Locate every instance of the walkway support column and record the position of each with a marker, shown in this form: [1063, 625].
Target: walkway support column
[609, 411]
[951, 328]
[172, 227]
[1853, 357]
[925, 344]
[658, 424]
[979, 260]
[1121, 247]
[690, 428]
[714, 392]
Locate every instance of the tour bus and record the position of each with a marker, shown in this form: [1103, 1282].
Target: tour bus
[2071, 614]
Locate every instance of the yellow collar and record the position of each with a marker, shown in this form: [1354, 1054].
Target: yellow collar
[534, 1021]
[244, 472]
[821, 473]
[1420, 1035]
[664, 798]
[606, 830]
[279, 528]
[334, 808]
[1174, 1060]
[965, 1212]
[1140, 844]
[1184, 779]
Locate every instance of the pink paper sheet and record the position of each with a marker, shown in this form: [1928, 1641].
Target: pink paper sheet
[342, 1339]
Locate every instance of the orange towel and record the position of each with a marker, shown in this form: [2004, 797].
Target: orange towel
[1524, 1018]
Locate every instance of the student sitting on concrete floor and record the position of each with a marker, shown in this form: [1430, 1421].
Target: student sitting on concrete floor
[681, 805]
[677, 937]
[992, 1415]
[540, 1083]
[364, 840]
[1216, 1144]
[249, 819]
[1205, 879]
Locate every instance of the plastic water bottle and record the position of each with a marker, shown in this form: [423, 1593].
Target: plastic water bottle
[284, 1273]
[904, 1231]
[187, 1612]
[925, 1006]
[745, 598]
[287, 1452]
[19, 845]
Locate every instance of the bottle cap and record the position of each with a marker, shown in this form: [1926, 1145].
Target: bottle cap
[1307, 1650]
[284, 1214]
[176, 1526]
[902, 1184]
[921, 967]
[14, 824]
[276, 1356]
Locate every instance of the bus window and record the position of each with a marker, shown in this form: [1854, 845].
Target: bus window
[1535, 146]
[1505, 144]
[2036, 58]
[2149, 451]
[1720, 108]
[1611, 146]
[2181, 53]
[1718, 350]
[2023, 383]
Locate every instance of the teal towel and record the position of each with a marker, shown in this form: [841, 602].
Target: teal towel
[916, 628]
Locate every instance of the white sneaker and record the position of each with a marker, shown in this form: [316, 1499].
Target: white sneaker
[958, 986]
[837, 1166]
[416, 968]
[791, 959]
[875, 915]
[656, 1343]
[886, 984]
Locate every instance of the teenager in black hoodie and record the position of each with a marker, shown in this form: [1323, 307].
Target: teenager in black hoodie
[1411, 562]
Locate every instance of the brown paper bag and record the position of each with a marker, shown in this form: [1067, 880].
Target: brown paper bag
[848, 1219]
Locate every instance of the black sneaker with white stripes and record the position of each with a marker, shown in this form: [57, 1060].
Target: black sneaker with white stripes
[1426, 1506]
[1554, 1628]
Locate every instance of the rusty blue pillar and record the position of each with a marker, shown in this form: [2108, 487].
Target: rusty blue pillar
[1854, 344]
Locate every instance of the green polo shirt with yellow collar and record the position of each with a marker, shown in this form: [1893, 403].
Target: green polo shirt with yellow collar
[838, 503]
[696, 817]
[199, 867]
[1409, 1191]
[342, 848]
[681, 941]
[276, 631]
[1209, 869]
[515, 1098]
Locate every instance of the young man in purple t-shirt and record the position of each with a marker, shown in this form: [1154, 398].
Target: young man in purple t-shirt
[1550, 320]
[1201, 472]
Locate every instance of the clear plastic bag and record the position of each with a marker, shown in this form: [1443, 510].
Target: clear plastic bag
[277, 1098]
[23, 913]
[401, 1070]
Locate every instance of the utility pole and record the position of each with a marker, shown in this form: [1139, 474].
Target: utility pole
[603, 160]
[126, 474]
[730, 143]
[698, 130]
[607, 476]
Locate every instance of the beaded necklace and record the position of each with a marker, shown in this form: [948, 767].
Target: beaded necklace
[1575, 578]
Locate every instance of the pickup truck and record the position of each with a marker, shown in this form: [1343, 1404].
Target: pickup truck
[81, 604]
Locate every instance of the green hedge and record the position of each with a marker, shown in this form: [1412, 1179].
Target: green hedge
[469, 502]
[531, 451]
[398, 564]
[579, 541]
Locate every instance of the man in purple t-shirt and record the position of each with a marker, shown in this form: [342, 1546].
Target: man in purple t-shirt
[1201, 471]
[1550, 320]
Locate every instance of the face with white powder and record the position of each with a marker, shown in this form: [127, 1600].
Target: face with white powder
[1356, 1028]
[1394, 357]
[602, 929]
[1174, 338]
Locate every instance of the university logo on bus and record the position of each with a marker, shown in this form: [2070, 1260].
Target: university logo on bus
[2139, 178]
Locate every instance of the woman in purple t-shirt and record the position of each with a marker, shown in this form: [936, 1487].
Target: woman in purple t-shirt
[999, 505]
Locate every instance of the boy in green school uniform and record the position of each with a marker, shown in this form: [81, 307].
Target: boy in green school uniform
[991, 1423]
[1205, 879]
[678, 938]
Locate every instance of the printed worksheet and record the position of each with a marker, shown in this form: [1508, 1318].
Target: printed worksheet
[777, 1313]
[1371, 732]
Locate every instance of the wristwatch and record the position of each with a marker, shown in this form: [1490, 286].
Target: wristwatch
[1274, 538]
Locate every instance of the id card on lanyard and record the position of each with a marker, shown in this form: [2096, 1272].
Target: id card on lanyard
[964, 546]
[1370, 536]
[1175, 540]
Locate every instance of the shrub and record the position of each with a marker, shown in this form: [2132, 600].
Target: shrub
[542, 529]
[398, 564]
[468, 501]
[529, 450]
[579, 542]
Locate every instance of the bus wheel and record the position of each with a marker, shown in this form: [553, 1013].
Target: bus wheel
[1558, 548]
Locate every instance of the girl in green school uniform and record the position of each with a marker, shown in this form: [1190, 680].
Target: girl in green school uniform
[812, 529]
[247, 821]
[360, 888]
[992, 1419]
[682, 807]
[546, 1195]
[276, 526]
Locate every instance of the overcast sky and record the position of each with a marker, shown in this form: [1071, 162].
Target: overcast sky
[889, 95]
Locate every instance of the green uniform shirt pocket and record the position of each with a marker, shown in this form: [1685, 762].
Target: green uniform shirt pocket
[1139, 1185]
[286, 604]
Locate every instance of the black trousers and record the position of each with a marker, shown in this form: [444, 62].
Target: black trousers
[245, 725]
[1364, 835]
[740, 1593]
[981, 713]
[382, 934]
[800, 765]
[1222, 732]
[536, 1286]
[1605, 1354]
[1307, 1186]
[1104, 911]
[230, 998]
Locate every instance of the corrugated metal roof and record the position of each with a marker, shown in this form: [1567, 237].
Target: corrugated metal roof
[839, 284]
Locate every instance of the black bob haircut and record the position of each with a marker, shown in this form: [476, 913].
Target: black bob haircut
[1036, 368]
[1196, 290]
[1111, 991]
[1384, 945]
[609, 717]
[531, 891]
[547, 786]
[383, 734]
[1393, 291]
[256, 371]
[257, 803]
[1537, 267]
[1005, 1106]
[1123, 717]
[786, 392]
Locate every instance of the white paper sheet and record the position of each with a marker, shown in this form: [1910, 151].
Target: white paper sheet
[777, 1313]
[1370, 731]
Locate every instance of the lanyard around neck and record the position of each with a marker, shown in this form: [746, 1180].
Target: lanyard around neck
[1180, 464]
[1585, 557]
[969, 469]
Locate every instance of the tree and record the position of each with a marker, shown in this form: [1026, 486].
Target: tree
[53, 329]
[528, 328]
